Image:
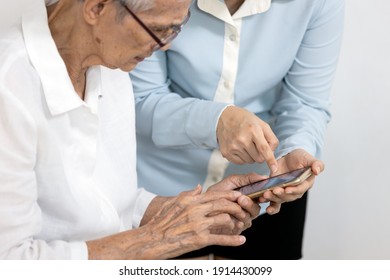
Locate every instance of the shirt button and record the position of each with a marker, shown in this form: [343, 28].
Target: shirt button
[227, 84]
[233, 37]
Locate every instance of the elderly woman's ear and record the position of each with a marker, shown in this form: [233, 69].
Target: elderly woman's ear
[93, 9]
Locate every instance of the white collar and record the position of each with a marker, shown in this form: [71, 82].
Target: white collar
[57, 86]
[218, 9]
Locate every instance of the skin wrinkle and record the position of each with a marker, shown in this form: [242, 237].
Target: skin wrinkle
[175, 234]
[170, 234]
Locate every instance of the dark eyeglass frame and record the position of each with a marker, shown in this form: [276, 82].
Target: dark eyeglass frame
[160, 42]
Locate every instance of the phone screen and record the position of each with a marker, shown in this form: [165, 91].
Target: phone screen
[278, 180]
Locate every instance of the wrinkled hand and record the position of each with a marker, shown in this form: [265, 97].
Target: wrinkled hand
[173, 226]
[245, 138]
[296, 159]
[193, 220]
[176, 225]
[250, 206]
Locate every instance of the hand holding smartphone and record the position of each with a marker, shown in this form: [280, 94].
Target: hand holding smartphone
[292, 178]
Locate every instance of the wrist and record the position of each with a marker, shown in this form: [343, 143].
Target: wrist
[154, 206]
[138, 244]
[220, 121]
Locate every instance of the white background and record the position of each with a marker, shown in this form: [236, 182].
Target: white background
[349, 207]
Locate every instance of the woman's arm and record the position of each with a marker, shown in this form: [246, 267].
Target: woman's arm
[303, 109]
[192, 220]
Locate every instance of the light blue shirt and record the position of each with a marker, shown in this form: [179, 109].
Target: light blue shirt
[276, 59]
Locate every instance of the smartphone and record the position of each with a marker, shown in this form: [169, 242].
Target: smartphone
[292, 178]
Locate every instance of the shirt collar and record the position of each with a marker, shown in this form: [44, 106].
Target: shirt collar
[57, 86]
[218, 9]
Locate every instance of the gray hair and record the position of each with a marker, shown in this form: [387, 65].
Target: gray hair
[138, 5]
[141, 5]
[134, 5]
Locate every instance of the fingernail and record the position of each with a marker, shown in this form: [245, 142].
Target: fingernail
[288, 191]
[245, 202]
[242, 239]
[237, 194]
[279, 193]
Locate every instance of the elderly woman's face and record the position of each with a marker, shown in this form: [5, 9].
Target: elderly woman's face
[126, 42]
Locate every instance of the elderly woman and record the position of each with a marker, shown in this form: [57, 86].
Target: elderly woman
[68, 185]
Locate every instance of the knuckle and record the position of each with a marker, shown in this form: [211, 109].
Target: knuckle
[248, 224]
[260, 158]
[224, 151]
[274, 144]
[234, 147]
[252, 127]
[226, 218]
[266, 125]
[240, 140]
[264, 149]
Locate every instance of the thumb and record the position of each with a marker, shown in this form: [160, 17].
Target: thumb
[197, 190]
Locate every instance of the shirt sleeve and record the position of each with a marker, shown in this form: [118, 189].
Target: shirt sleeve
[169, 119]
[20, 214]
[303, 110]
[143, 200]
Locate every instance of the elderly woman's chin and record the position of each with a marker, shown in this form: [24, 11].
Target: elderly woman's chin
[126, 67]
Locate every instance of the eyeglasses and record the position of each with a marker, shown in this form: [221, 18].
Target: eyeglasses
[169, 38]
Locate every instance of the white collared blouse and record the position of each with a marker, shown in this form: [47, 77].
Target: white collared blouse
[67, 165]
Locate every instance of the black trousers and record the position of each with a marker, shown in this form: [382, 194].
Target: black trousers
[271, 237]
